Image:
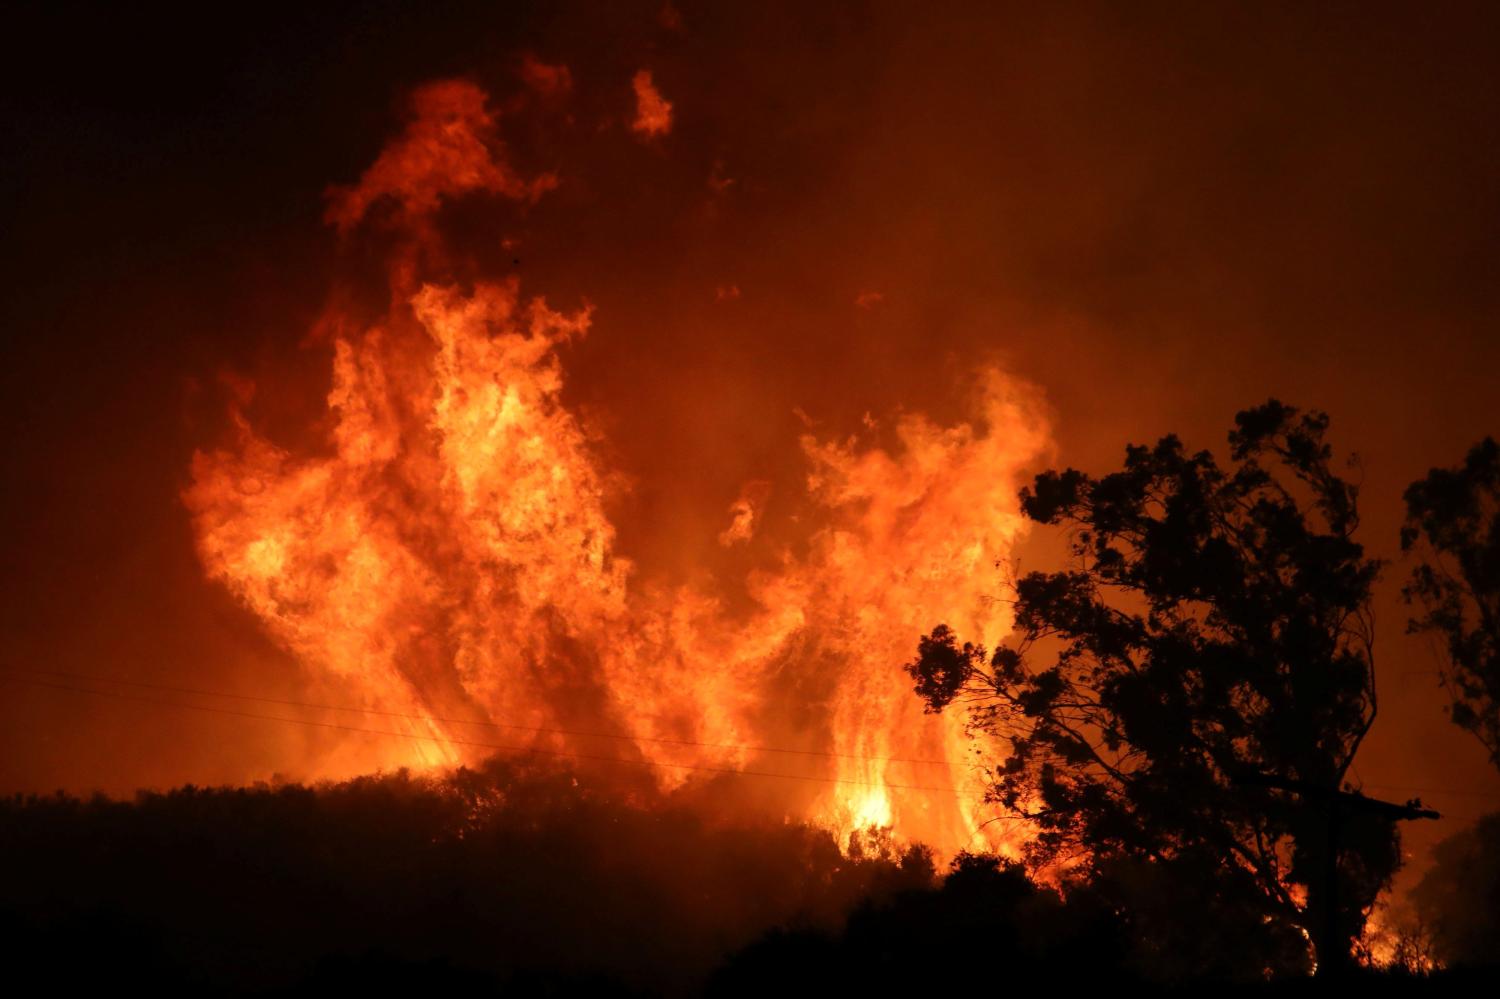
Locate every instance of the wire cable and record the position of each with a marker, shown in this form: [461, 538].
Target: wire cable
[442, 740]
[14, 673]
[1437, 790]
[540, 729]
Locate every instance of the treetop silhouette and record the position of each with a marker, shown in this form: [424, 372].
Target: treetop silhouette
[1453, 524]
[1215, 624]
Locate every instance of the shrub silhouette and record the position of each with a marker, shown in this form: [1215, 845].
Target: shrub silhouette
[510, 874]
[987, 923]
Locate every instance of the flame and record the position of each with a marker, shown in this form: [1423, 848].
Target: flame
[653, 114]
[744, 512]
[448, 149]
[452, 554]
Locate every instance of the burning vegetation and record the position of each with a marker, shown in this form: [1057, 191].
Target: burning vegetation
[449, 557]
[607, 626]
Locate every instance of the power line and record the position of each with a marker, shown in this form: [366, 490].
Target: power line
[1437, 790]
[729, 771]
[545, 730]
[539, 729]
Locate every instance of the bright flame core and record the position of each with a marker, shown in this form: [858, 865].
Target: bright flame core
[453, 556]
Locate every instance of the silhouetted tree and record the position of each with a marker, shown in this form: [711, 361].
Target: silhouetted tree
[1458, 899]
[1453, 524]
[926, 940]
[1216, 625]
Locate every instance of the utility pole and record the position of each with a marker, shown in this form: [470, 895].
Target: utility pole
[1337, 802]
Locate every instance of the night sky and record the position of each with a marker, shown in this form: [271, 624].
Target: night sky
[1159, 214]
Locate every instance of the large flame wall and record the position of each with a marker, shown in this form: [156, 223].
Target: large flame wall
[451, 558]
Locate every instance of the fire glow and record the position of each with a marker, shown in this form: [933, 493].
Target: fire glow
[451, 554]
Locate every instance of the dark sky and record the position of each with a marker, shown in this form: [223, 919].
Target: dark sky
[1159, 213]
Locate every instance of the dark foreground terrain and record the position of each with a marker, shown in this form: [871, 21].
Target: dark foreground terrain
[513, 879]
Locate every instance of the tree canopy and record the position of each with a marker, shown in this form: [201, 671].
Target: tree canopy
[1458, 899]
[1214, 626]
[1453, 526]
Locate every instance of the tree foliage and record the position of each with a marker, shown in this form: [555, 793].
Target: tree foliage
[518, 877]
[1453, 525]
[922, 942]
[1458, 899]
[1214, 624]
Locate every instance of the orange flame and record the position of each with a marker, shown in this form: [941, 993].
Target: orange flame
[653, 113]
[448, 149]
[453, 555]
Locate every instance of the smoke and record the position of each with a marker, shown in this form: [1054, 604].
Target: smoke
[1159, 218]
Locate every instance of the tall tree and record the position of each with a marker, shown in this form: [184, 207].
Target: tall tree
[1453, 526]
[1214, 632]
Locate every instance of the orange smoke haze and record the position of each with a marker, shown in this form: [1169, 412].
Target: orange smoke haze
[660, 373]
[546, 80]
